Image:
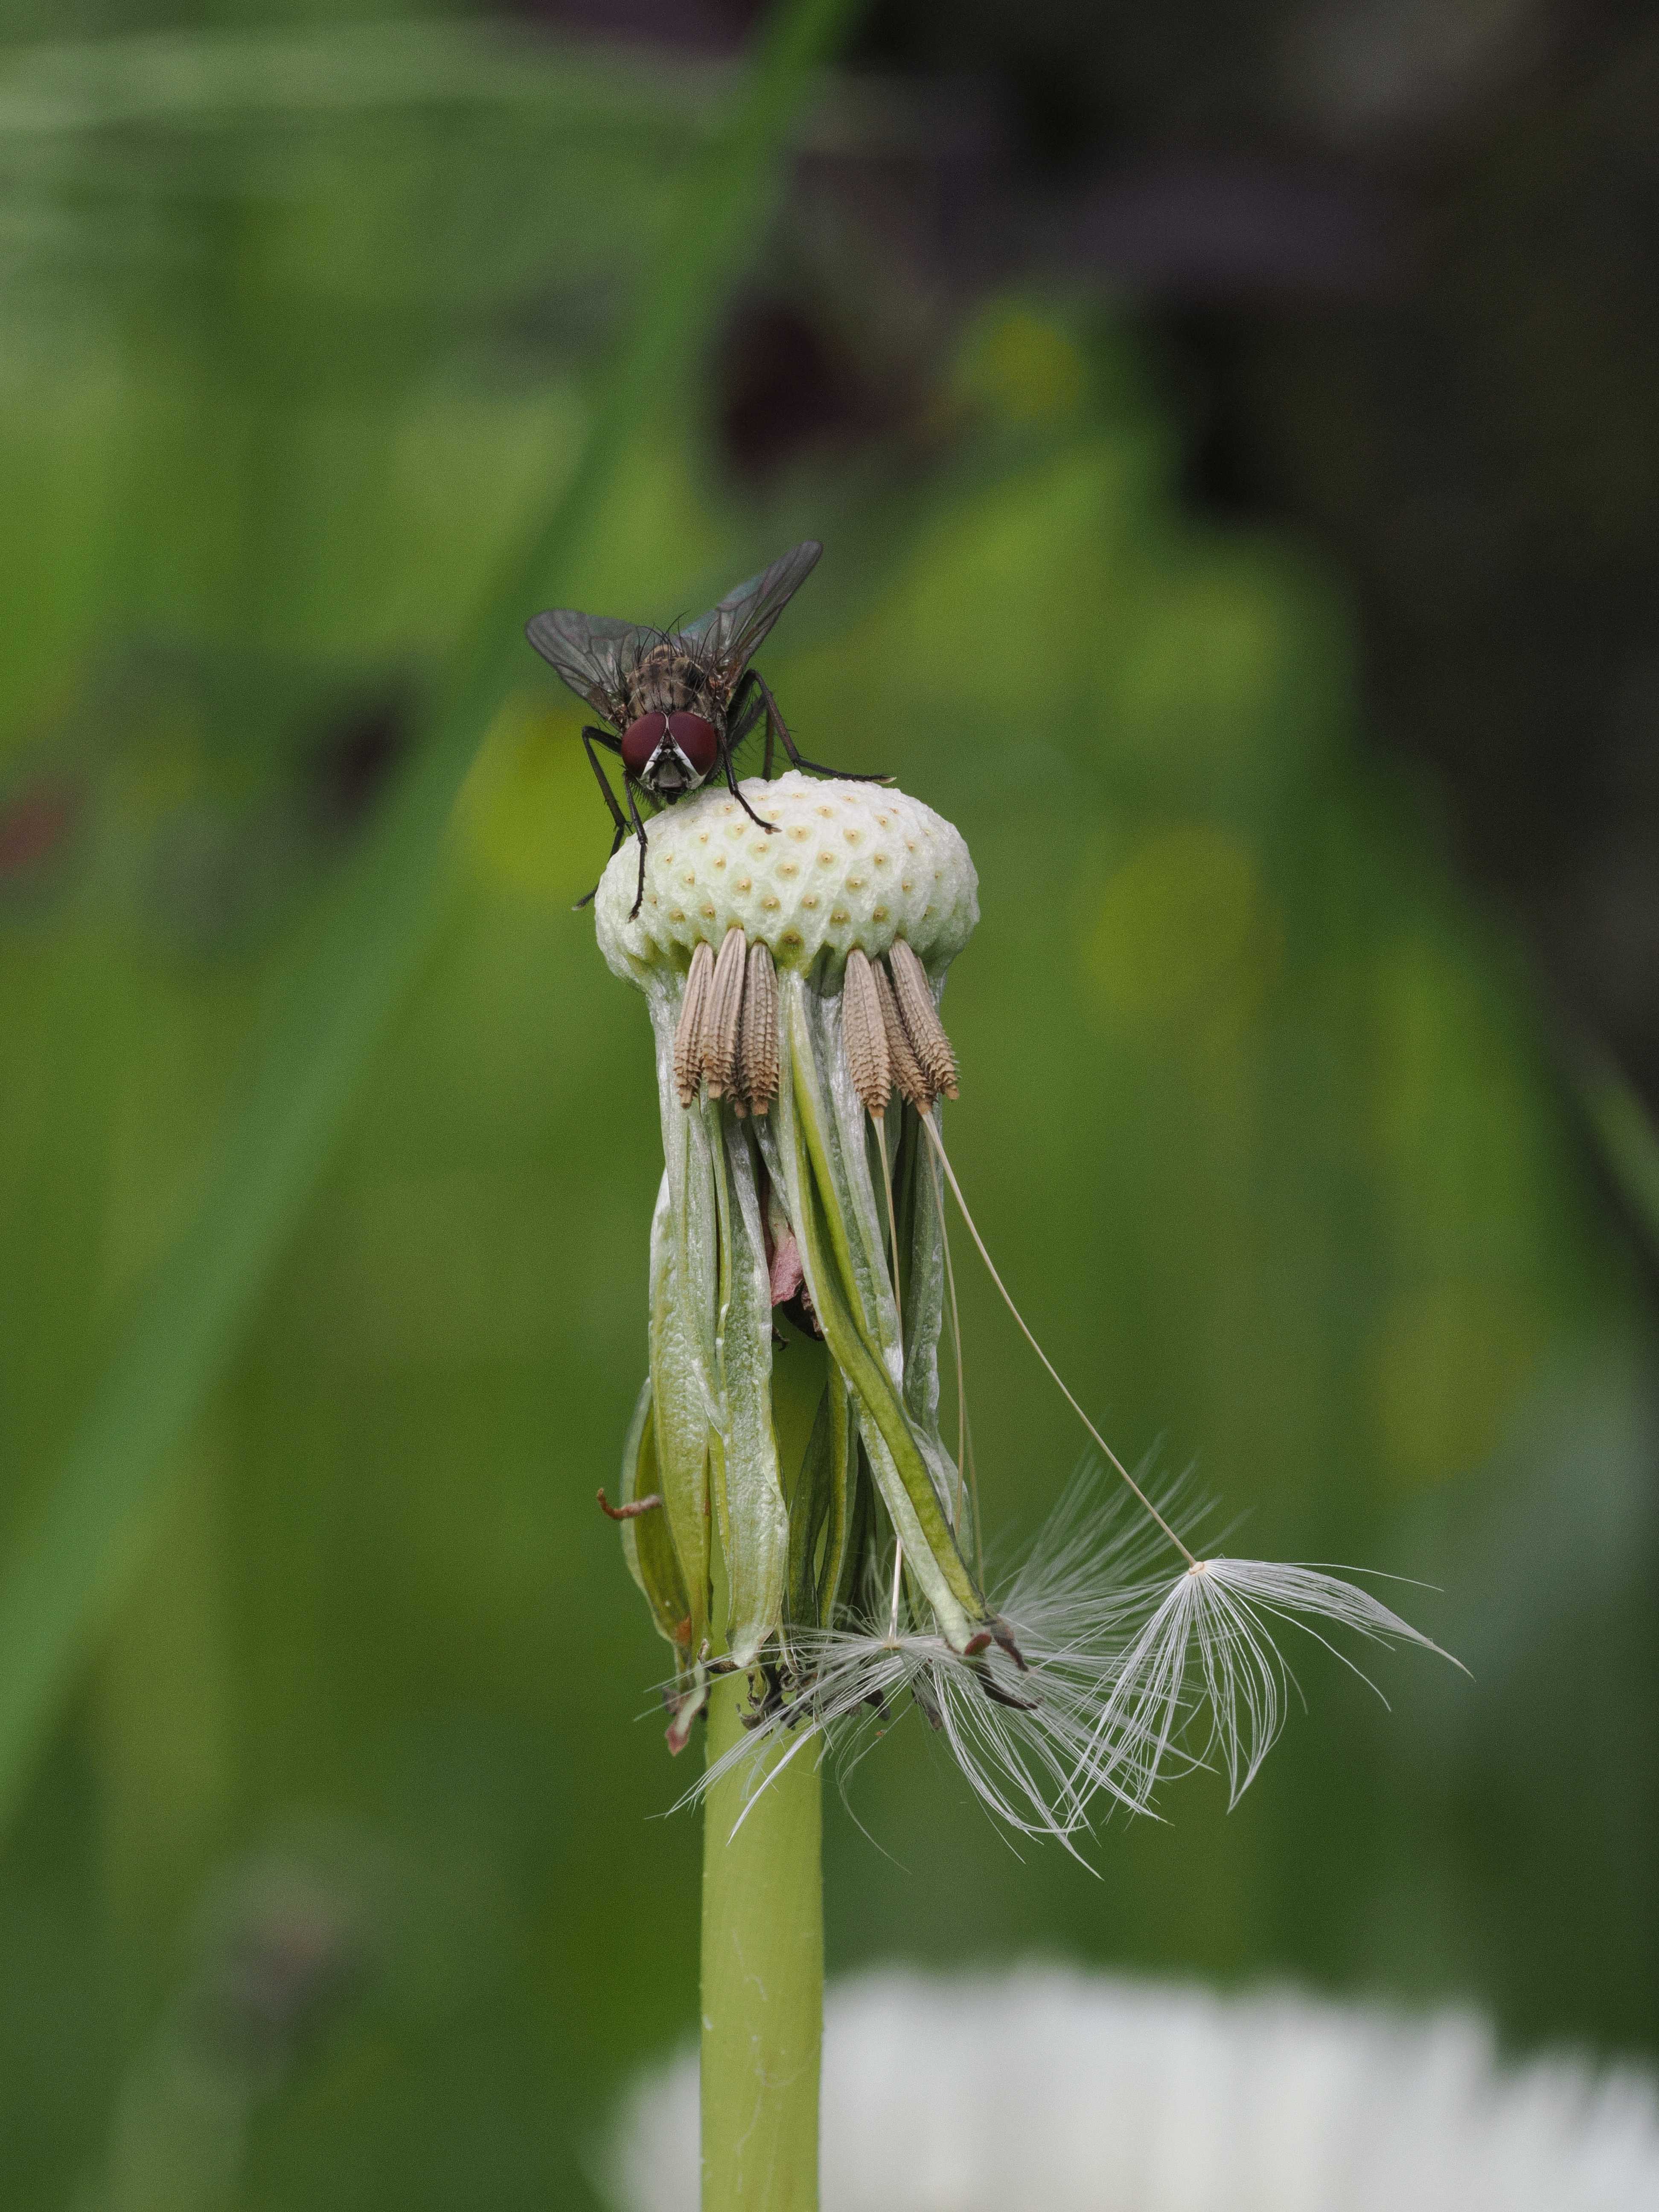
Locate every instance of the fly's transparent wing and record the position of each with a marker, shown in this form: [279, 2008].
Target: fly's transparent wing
[593, 653]
[729, 635]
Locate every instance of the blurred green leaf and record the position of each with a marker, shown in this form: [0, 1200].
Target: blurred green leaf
[336, 1004]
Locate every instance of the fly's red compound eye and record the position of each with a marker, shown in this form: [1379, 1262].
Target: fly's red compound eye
[696, 740]
[641, 739]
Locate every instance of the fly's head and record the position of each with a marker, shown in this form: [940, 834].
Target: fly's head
[669, 754]
[672, 742]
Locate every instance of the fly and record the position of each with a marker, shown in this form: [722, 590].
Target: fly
[680, 702]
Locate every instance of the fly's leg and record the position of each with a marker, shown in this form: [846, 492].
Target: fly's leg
[774, 717]
[639, 831]
[732, 786]
[747, 707]
[590, 737]
[614, 744]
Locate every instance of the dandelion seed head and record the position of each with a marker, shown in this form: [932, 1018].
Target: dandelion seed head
[771, 899]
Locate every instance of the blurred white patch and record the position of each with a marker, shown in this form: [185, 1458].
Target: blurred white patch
[1050, 2091]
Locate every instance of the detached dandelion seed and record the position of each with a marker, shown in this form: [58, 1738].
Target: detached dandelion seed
[1208, 1647]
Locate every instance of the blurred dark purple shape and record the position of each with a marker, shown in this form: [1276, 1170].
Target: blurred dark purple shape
[1214, 229]
[286, 1952]
[786, 388]
[37, 822]
[349, 764]
[707, 25]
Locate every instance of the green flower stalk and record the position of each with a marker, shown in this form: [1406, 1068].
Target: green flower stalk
[790, 1509]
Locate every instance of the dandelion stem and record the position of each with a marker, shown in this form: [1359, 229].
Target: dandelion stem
[1117, 1464]
[762, 1925]
[763, 1972]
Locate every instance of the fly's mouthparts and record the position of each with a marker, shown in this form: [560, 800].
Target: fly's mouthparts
[669, 772]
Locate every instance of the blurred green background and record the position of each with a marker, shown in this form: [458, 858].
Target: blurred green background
[339, 1876]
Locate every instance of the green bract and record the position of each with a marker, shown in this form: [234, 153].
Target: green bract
[772, 1238]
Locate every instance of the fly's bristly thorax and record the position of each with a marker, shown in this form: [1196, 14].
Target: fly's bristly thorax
[793, 965]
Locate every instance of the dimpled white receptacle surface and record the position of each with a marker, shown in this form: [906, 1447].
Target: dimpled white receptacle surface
[849, 864]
